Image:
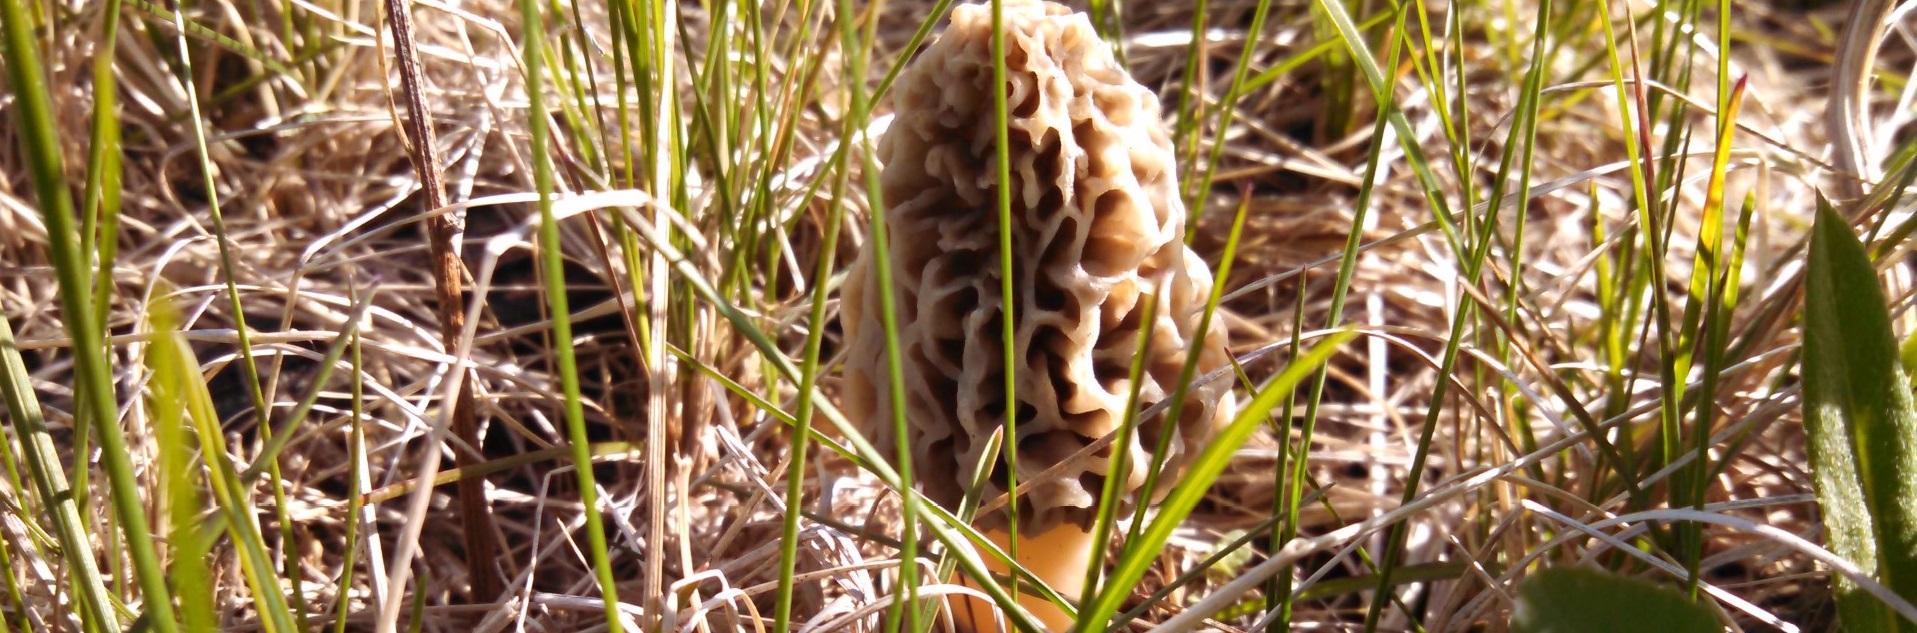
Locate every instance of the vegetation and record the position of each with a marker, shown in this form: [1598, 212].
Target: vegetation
[1544, 290]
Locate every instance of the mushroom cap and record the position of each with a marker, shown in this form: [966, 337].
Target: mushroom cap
[1097, 233]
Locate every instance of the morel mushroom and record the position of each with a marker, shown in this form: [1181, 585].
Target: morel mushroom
[1097, 230]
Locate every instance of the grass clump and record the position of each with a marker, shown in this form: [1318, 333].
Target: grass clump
[1569, 240]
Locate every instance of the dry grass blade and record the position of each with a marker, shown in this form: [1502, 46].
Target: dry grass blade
[444, 231]
[1526, 210]
[1847, 117]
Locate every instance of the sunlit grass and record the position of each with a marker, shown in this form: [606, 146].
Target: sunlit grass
[92, 374]
[1569, 235]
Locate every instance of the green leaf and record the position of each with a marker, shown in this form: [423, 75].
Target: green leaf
[1862, 422]
[1574, 600]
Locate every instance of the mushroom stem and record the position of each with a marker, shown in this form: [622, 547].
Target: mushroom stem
[1059, 557]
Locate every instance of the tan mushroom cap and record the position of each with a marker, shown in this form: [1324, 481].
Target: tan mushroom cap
[1098, 230]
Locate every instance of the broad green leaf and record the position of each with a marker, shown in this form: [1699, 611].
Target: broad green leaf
[1575, 600]
[1862, 423]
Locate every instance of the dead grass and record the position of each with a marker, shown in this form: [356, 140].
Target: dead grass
[321, 204]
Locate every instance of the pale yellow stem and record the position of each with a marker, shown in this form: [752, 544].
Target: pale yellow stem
[1058, 557]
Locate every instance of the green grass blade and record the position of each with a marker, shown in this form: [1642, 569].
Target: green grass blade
[1297, 60]
[1140, 554]
[236, 514]
[1902, 173]
[888, 317]
[175, 21]
[1862, 423]
[355, 455]
[1381, 89]
[532, 33]
[416, 616]
[1224, 561]
[100, 201]
[1227, 108]
[1288, 497]
[802, 431]
[180, 477]
[16, 599]
[1108, 19]
[283, 436]
[1191, 106]
[249, 368]
[1704, 318]
[1008, 320]
[93, 377]
[50, 482]
[861, 453]
[1120, 469]
[1162, 449]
